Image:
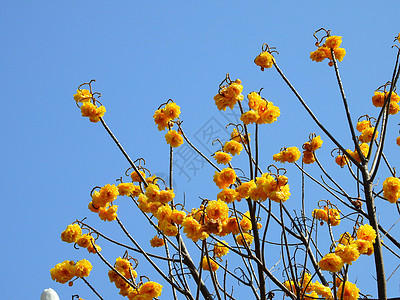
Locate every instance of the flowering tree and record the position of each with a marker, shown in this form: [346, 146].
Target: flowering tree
[214, 245]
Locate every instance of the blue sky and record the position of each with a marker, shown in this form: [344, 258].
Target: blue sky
[142, 54]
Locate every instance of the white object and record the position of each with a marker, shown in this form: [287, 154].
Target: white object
[49, 294]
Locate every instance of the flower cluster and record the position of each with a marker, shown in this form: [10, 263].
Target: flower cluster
[102, 200]
[65, 271]
[213, 266]
[163, 117]
[349, 249]
[271, 187]
[261, 111]
[309, 147]
[378, 100]
[391, 189]
[229, 95]
[73, 234]
[289, 155]
[330, 46]
[124, 267]
[225, 178]
[367, 131]
[88, 105]
[329, 215]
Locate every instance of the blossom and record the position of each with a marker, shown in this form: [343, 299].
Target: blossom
[83, 268]
[217, 210]
[163, 213]
[207, 266]
[192, 228]
[222, 157]
[341, 160]
[264, 60]
[318, 55]
[63, 272]
[322, 290]
[289, 155]
[224, 178]
[152, 192]
[135, 176]
[227, 195]
[143, 203]
[151, 289]
[247, 237]
[88, 109]
[108, 214]
[331, 262]
[351, 291]
[245, 223]
[316, 143]
[85, 240]
[233, 147]
[230, 226]
[108, 193]
[348, 253]
[366, 135]
[157, 242]
[250, 116]
[229, 95]
[166, 196]
[220, 249]
[333, 41]
[364, 147]
[244, 189]
[177, 216]
[362, 125]
[82, 96]
[366, 232]
[173, 138]
[161, 119]
[128, 189]
[167, 227]
[172, 110]
[71, 234]
[391, 189]
[308, 157]
[239, 137]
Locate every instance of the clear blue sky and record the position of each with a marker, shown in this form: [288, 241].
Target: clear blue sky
[142, 53]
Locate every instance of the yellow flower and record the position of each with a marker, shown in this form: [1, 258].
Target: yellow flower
[222, 157]
[173, 138]
[341, 160]
[227, 195]
[323, 291]
[290, 155]
[318, 55]
[151, 289]
[192, 228]
[166, 196]
[71, 234]
[351, 291]
[366, 232]
[233, 147]
[152, 192]
[128, 189]
[172, 110]
[316, 143]
[82, 96]
[244, 189]
[362, 125]
[245, 223]
[217, 210]
[264, 60]
[348, 253]
[168, 228]
[85, 240]
[157, 242]
[268, 113]
[333, 41]
[163, 213]
[229, 95]
[135, 176]
[143, 203]
[177, 216]
[364, 147]
[308, 157]
[108, 214]
[230, 226]
[213, 265]
[247, 237]
[331, 262]
[63, 272]
[83, 268]
[250, 116]
[161, 119]
[220, 250]
[391, 189]
[225, 178]
[108, 193]
[366, 135]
